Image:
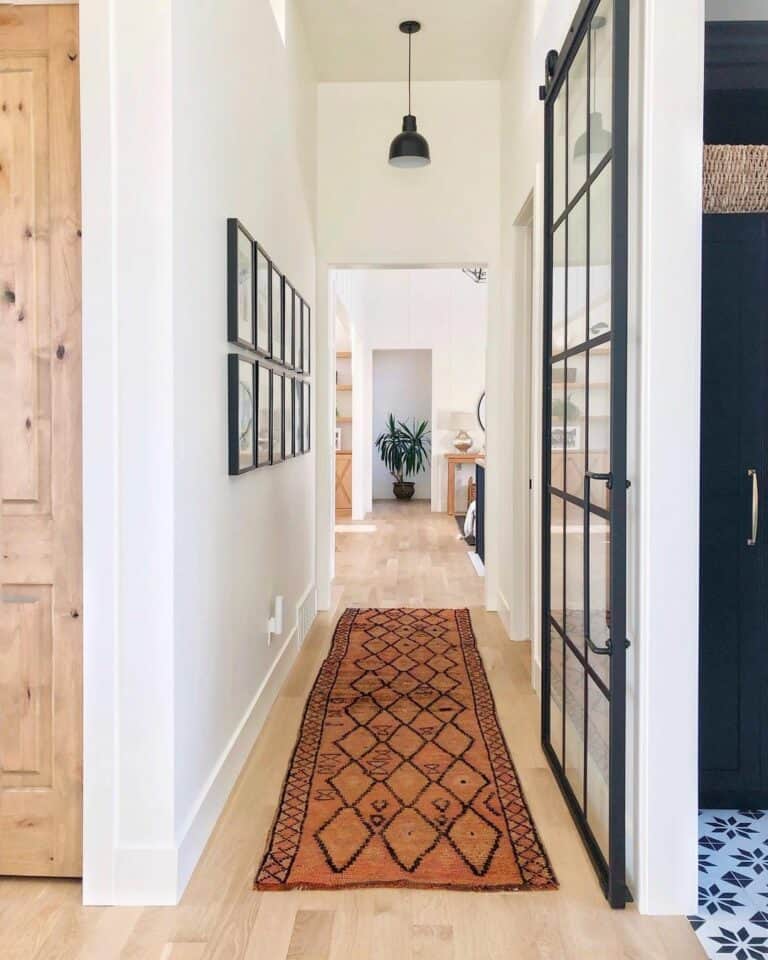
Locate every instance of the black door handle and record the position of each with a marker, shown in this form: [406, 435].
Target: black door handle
[589, 476]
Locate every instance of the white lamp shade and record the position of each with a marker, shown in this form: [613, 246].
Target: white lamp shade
[459, 420]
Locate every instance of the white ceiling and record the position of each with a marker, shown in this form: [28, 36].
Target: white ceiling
[359, 39]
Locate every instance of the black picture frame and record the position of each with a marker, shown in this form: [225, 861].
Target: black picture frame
[241, 391]
[262, 316]
[289, 433]
[263, 416]
[289, 324]
[306, 416]
[275, 313]
[276, 399]
[297, 422]
[241, 285]
[306, 337]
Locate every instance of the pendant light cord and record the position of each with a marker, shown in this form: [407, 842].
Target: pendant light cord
[409, 73]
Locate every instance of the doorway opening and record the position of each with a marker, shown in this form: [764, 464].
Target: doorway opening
[409, 382]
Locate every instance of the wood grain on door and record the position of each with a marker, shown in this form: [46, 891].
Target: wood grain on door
[40, 443]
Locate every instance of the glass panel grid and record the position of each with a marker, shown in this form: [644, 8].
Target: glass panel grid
[582, 345]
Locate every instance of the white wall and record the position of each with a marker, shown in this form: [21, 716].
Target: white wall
[402, 386]
[198, 556]
[665, 144]
[370, 212]
[442, 311]
[255, 539]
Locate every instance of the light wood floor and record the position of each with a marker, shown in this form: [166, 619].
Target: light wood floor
[413, 558]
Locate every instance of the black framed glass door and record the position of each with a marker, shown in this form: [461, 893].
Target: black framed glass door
[585, 385]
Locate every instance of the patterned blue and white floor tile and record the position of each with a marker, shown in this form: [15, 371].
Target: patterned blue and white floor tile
[732, 921]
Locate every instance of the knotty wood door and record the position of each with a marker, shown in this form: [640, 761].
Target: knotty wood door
[40, 444]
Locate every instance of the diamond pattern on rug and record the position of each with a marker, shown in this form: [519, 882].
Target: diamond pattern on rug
[732, 919]
[401, 776]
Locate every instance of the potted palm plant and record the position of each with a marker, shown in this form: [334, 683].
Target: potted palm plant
[404, 451]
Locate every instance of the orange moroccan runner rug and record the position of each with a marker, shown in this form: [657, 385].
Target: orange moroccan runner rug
[401, 776]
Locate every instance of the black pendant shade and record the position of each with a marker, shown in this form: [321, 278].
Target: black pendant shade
[409, 149]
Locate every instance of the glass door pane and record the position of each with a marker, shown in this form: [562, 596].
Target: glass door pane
[598, 735]
[584, 649]
[577, 273]
[574, 723]
[577, 122]
[601, 86]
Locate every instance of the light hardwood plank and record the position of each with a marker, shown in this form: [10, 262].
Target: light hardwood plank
[311, 936]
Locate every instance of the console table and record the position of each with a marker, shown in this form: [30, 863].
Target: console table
[452, 459]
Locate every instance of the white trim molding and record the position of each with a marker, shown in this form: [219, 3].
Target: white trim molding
[665, 329]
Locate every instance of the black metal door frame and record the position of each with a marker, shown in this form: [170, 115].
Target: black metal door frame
[611, 870]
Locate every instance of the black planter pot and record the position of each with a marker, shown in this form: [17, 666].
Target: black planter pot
[404, 490]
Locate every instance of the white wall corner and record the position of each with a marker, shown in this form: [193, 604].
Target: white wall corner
[325, 424]
[665, 326]
[146, 876]
[505, 613]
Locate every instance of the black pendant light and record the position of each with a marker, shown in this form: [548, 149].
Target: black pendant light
[409, 148]
[599, 140]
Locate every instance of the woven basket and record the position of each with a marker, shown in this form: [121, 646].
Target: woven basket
[735, 179]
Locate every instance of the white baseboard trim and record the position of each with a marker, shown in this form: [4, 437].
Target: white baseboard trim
[306, 611]
[505, 613]
[199, 825]
[477, 563]
[536, 677]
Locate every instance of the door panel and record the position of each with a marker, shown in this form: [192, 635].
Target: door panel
[585, 377]
[344, 484]
[40, 444]
[734, 574]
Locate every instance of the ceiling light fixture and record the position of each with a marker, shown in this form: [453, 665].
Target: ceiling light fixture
[476, 274]
[409, 148]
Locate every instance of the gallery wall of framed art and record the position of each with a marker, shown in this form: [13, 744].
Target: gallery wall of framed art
[269, 393]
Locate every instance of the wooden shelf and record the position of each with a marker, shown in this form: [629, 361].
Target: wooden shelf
[343, 354]
[343, 453]
[578, 386]
[343, 419]
[346, 387]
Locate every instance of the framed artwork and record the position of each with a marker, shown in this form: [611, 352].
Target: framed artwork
[262, 303]
[263, 415]
[296, 416]
[306, 418]
[276, 313]
[568, 437]
[306, 338]
[241, 393]
[298, 341]
[289, 300]
[288, 433]
[277, 417]
[241, 285]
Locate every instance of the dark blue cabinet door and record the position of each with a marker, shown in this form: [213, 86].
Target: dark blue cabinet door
[733, 738]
